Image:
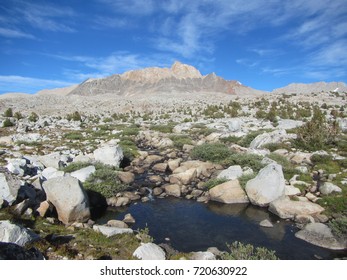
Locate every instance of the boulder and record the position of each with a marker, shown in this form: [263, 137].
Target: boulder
[228, 192]
[202, 256]
[82, 158]
[9, 187]
[111, 231]
[267, 186]
[51, 160]
[69, 198]
[51, 172]
[129, 219]
[174, 163]
[320, 235]
[288, 209]
[234, 125]
[173, 190]
[13, 233]
[11, 251]
[232, 173]
[84, 173]
[266, 223]
[118, 201]
[157, 191]
[17, 166]
[126, 177]
[43, 208]
[117, 224]
[109, 154]
[152, 159]
[277, 136]
[290, 190]
[183, 178]
[160, 167]
[149, 251]
[328, 188]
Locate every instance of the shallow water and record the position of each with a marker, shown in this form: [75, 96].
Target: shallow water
[193, 226]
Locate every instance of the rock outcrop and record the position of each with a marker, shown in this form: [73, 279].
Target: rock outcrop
[228, 192]
[13, 233]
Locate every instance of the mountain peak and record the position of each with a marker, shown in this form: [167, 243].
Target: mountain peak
[181, 70]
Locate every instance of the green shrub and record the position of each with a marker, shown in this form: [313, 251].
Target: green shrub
[334, 204]
[339, 227]
[231, 139]
[164, 128]
[75, 116]
[239, 251]
[73, 136]
[105, 181]
[214, 182]
[131, 130]
[18, 115]
[251, 160]
[7, 123]
[33, 117]
[317, 159]
[245, 178]
[246, 140]
[276, 146]
[129, 148]
[214, 152]
[288, 168]
[8, 113]
[180, 140]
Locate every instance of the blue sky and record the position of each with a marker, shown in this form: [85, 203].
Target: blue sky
[264, 44]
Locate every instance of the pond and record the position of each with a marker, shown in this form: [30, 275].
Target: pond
[192, 226]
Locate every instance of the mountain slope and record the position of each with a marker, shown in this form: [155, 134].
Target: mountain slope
[312, 88]
[179, 78]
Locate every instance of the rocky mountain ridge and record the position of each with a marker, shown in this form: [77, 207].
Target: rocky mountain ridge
[180, 77]
[312, 88]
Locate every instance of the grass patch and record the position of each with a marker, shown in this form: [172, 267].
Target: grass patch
[214, 182]
[276, 146]
[214, 152]
[245, 178]
[334, 204]
[74, 166]
[251, 160]
[73, 136]
[181, 140]
[164, 128]
[129, 148]
[339, 227]
[240, 251]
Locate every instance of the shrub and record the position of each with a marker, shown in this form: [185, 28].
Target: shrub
[131, 130]
[164, 128]
[214, 182]
[251, 160]
[73, 136]
[8, 113]
[245, 178]
[214, 152]
[288, 168]
[129, 148]
[7, 123]
[317, 158]
[339, 227]
[180, 140]
[239, 251]
[246, 140]
[75, 116]
[105, 181]
[33, 117]
[18, 115]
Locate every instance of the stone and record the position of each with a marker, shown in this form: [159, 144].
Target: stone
[267, 186]
[111, 231]
[288, 209]
[132, 196]
[149, 251]
[117, 224]
[50, 160]
[229, 192]
[290, 190]
[13, 233]
[9, 187]
[266, 223]
[184, 178]
[174, 163]
[118, 201]
[11, 251]
[277, 136]
[311, 197]
[173, 190]
[126, 177]
[84, 173]
[202, 256]
[21, 207]
[320, 235]
[129, 219]
[300, 158]
[82, 159]
[232, 173]
[160, 167]
[328, 188]
[304, 219]
[152, 159]
[157, 191]
[43, 208]
[17, 166]
[69, 199]
[51, 172]
[109, 154]
[196, 193]
[234, 125]
[1, 202]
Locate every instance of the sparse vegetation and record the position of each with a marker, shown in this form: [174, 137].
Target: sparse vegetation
[214, 152]
[239, 251]
[214, 182]
[7, 123]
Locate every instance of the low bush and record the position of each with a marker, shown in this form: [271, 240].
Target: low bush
[214, 152]
[251, 160]
[214, 182]
[180, 140]
[7, 123]
[73, 136]
[245, 178]
[164, 128]
[334, 204]
[339, 227]
[239, 251]
[73, 166]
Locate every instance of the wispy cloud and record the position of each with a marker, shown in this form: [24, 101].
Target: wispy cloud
[13, 33]
[28, 84]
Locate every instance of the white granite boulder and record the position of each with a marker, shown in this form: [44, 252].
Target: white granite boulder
[232, 173]
[109, 154]
[13, 233]
[84, 173]
[228, 192]
[149, 251]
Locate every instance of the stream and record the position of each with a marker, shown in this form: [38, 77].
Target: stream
[191, 226]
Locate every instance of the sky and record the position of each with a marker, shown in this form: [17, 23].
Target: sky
[264, 44]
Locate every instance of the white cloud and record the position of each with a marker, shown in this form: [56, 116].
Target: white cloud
[13, 33]
[28, 84]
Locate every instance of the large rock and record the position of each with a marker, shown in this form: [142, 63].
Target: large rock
[51, 172]
[69, 198]
[328, 188]
[109, 154]
[320, 235]
[9, 187]
[17, 166]
[84, 173]
[149, 251]
[173, 190]
[183, 178]
[111, 231]
[267, 186]
[228, 192]
[51, 160]
[16, 234]
[11, 251]
[202, 256]
[288, 209]
[235, 125]
[126, 177]
[277, 136]
[232, 173]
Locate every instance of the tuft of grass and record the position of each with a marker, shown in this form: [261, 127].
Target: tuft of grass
[240, 251]
[214, 182]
